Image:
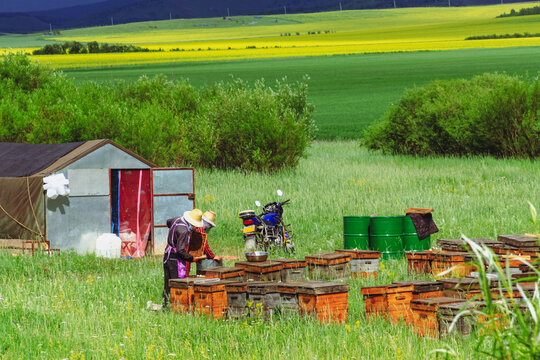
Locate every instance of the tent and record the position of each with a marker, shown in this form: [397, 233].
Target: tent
[112, 190]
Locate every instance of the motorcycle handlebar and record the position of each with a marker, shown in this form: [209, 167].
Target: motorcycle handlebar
[285, 202]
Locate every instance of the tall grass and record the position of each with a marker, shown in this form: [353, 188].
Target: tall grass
[71, 306]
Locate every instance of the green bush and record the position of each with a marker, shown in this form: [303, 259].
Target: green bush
[491, 114]
[229, 125]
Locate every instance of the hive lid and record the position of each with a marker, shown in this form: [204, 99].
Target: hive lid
[454, 308]
[421, 286]
[436, 301]
[328, 258]
[262, 287]
[255, 264]
[236, 286]
[520, 241]
[360, 254]
[292, 263]
[419, 255]
[460, 283]
[321, 288]
[222, 269]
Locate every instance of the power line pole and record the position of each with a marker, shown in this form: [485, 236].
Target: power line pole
[449, 5]
[285, 8]
[340, 8]
[395, 4]
[50, 27]
[112, 22]
[170, 16]
[228, 13]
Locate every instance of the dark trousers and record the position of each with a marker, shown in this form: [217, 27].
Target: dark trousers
[170, 271]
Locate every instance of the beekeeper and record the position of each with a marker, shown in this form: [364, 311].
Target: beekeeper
[176, 255]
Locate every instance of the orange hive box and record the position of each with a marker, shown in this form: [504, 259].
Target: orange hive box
[424, 311]
[225, 273]
[419, 261]
[182, 294]
[329, 266]
[456, 263]
[263, 298]
[293, 269]
[388, 300]
[424, 289]
[328, 301]
[363, 263]
[236, 299]
[446, 314]
[210, 298]
[269, 270]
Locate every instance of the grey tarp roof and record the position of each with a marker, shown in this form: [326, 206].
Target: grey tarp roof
[18, 160]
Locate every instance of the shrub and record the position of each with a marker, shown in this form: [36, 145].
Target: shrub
[229, 125]
[491, 114]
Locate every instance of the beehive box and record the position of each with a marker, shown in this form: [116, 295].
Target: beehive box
[328, 301]
[293, 270]
[182, 294]
[451, 264]
[424, 289]
[392, 301]
[419, 261]
[446, 313]
[526, 278]
[513, 262]
[225, 273]
[460, 245]
[236, 299]
[329, 266]
[269, 270]
[289, 297]
[459, 287]
[210, 298]
[363, 263]
[263, 298]
[425, 320]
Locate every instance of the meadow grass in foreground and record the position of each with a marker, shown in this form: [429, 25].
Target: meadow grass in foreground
[348, 92]
[73, 306]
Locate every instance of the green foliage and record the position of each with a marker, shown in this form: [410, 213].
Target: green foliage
[523, 12]
[503, 36]
[75, 47]
[491, 114]
[226, 125]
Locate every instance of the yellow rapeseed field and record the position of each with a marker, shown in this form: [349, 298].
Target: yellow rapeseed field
[332, 33]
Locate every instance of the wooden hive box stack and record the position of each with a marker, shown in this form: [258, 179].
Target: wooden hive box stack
[263, 298]
[328, 301]
[236, 299]
[182, 294]
[459, 245]
[452, 264]
[419, 262]
[513, 262]
[425, 320]
[446, 314]
[225, 273]
[459, 287]
[424, 289]
[329, 266]
[363, 263]
[210, 298]
[520, 244]
[391, 301]
[269, 270]
[293, 270]
[526, 278]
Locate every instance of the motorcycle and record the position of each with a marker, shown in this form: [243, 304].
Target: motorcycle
[267, 231]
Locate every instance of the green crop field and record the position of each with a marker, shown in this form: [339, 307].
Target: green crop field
[348, 92]
[83, 307]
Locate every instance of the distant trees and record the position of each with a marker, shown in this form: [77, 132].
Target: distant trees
[523, 12]
[93, 47]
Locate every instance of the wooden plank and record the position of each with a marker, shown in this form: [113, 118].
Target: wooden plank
[418, 211]
[420, 286]
[520, 241]
[432, 304]
[460, 283]
[260, 267]
[292, 263]
[262, 288]
[328, 259]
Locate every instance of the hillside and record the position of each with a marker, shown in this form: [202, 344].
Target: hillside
[126, 11]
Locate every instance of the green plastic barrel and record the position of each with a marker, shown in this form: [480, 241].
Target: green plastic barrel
[385, 235]
[356, 232]
[411, 242]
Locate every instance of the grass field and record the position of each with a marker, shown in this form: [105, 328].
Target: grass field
[82, 307]
[348, 92]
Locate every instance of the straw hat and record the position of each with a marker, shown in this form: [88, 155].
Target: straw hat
[194, 217]
[210, 217]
